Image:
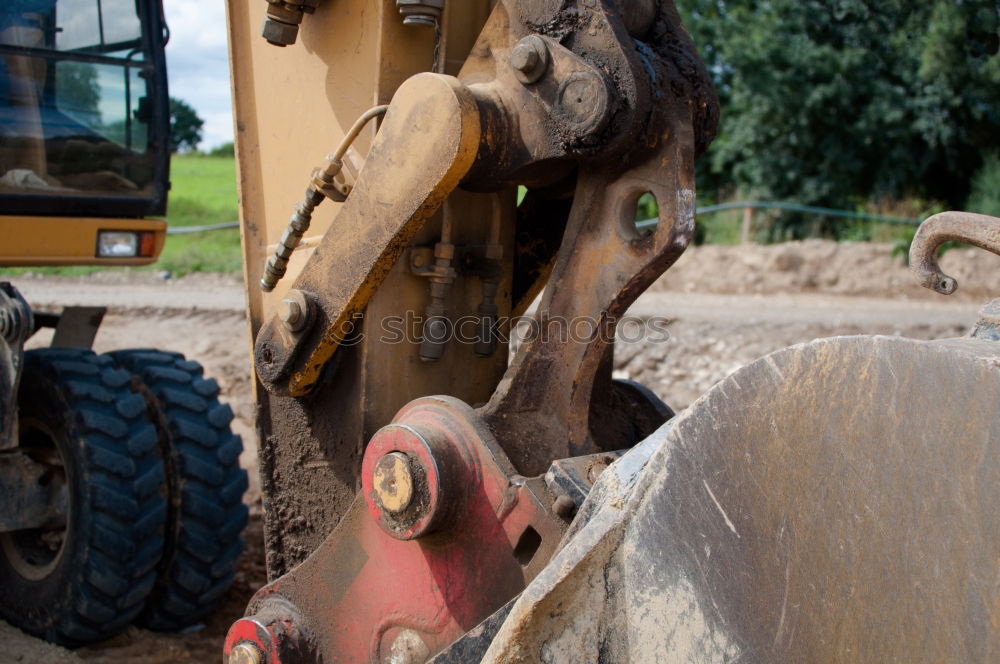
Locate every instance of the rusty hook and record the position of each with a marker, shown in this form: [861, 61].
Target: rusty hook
[979, 230]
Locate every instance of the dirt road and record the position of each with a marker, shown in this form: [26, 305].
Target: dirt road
[725, 307]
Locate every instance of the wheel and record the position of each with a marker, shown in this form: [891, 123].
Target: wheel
[206, 514]
[86, 578]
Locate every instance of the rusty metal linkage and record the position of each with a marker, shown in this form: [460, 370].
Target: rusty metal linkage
[976, 229]
[440, 507]
[401, 525]
[603, 105]
[431, 133]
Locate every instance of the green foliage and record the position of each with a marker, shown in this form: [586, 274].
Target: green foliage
[836, 102]
[223, 150]
[646, 208]
[185, 126]
[985, 196]
[719, 228]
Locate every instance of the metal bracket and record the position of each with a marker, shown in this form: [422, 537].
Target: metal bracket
[384, 211]
[78, 327]
[574, 478]
[441, 512]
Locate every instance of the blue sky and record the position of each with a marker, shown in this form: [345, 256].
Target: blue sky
[198, 65]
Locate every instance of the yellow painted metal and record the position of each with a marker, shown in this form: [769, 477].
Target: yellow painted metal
[293, 105]
[54, 241]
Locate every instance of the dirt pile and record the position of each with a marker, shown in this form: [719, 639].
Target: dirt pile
[823, 266]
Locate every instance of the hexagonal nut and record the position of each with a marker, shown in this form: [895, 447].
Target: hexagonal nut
[530, 59]
[524, 58]
[296, 311]
[280, 34]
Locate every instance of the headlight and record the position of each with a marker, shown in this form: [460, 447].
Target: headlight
[125, 244]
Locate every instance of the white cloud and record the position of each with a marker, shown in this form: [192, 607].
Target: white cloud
[198, 64]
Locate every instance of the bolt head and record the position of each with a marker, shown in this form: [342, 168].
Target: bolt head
[524, 58]
[530, 59]
[246, 653]
[291, 312]
[393, 482]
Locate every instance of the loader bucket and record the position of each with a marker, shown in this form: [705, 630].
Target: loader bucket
[834, 502]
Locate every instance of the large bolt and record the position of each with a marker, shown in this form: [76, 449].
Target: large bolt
[279, 33]
[584, 103]
[272, 635]
[296, 311]
[530, 59]
[393, 482]
[292, 313]
[246, 653]
[415, 476]
[408, 648]
[524, 58]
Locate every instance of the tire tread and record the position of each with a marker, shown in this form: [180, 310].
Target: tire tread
[123, 484]
[207, 536]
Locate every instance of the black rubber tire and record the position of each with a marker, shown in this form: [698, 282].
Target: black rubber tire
[81, 405]
[207, 515]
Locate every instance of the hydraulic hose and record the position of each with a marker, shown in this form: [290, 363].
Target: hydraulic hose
[321, 186]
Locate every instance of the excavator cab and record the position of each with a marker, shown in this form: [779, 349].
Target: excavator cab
[84, 127]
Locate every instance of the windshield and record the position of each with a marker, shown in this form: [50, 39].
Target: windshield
[76, 99]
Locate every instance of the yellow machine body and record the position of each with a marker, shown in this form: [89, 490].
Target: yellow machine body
[64, 241]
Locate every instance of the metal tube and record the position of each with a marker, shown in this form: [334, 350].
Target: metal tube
[277, 265]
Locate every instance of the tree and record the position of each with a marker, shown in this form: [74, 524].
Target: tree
[185, 126]
[223, 150]
[78, 90]
[835, 102]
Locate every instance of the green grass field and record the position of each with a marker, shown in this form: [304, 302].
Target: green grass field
[203, 192]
